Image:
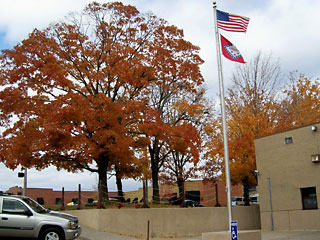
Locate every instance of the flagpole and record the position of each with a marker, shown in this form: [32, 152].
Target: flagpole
[223, 114]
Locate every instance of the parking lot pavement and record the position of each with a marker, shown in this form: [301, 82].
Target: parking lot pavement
[89, 234]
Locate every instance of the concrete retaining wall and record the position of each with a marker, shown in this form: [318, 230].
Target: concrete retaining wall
[295, 220]
[167, 222]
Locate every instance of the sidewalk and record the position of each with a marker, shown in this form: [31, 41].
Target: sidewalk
[89, 234]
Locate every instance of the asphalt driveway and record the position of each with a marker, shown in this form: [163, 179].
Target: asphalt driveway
[89, 234]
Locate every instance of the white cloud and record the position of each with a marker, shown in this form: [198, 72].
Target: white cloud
[51, 178]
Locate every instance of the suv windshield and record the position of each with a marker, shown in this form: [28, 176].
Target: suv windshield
[34, 205]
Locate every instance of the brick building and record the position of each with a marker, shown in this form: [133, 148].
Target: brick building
[50, 197]
[207, 193]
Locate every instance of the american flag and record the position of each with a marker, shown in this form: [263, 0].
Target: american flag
[232, 23]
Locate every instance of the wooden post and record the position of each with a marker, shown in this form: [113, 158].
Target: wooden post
[217, 197]
[79, 197]
[62, 199]
[148, 230]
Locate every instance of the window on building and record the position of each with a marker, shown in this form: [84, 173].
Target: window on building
[58, 200]
[40, 200]
[90, 200]
[288, 140]
[309, 198]
[75, 200]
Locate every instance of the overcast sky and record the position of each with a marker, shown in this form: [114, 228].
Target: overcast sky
[287, 29]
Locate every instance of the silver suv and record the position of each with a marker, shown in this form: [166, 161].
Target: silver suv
[23, 217]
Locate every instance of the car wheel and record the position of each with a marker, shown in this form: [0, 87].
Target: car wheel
[51, 234]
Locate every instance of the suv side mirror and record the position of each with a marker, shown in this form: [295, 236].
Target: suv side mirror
[28, 213]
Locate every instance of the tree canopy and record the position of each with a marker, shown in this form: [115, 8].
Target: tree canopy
[77, 94]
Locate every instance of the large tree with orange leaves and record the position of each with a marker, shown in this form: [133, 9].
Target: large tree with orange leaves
[188, 116]
[252, 110]
[178, 75]
[75, 94]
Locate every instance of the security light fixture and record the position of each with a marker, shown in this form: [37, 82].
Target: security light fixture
[288, 140]
[315, 157]
[314, 128]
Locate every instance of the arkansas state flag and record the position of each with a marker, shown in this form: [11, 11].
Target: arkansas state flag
[230, 51]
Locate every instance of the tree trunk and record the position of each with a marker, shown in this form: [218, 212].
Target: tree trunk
[246, 186]
[102, 187]
[119, 185]
[155, 160]
[120, 191]
[155, 186]
[145, 189]
[182, 195]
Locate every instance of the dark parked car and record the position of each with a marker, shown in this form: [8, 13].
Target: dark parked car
[191, 203]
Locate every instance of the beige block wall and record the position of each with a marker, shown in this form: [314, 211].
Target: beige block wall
[291, 220]
[289, 168]
[167, 222]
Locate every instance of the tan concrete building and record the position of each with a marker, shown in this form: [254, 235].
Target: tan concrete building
[288, 165]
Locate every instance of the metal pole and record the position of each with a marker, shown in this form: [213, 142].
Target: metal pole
[25, 182]
[79, 196]
[223, 114]
[270, 200]
[62, 199]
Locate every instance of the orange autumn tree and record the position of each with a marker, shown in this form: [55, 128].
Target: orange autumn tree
[185, 142]
[72, 93]
[300, 105]
[251, 111]
[178, 75]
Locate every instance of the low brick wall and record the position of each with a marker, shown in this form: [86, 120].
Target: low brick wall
[167, 222]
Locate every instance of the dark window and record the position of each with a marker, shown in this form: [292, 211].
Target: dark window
[288, 140]
[58, 201]
[75, 200]
[309, 198]
[90, 200]
[40, 200]
[13, 206]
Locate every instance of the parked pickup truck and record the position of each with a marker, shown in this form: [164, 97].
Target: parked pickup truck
[23, 217]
